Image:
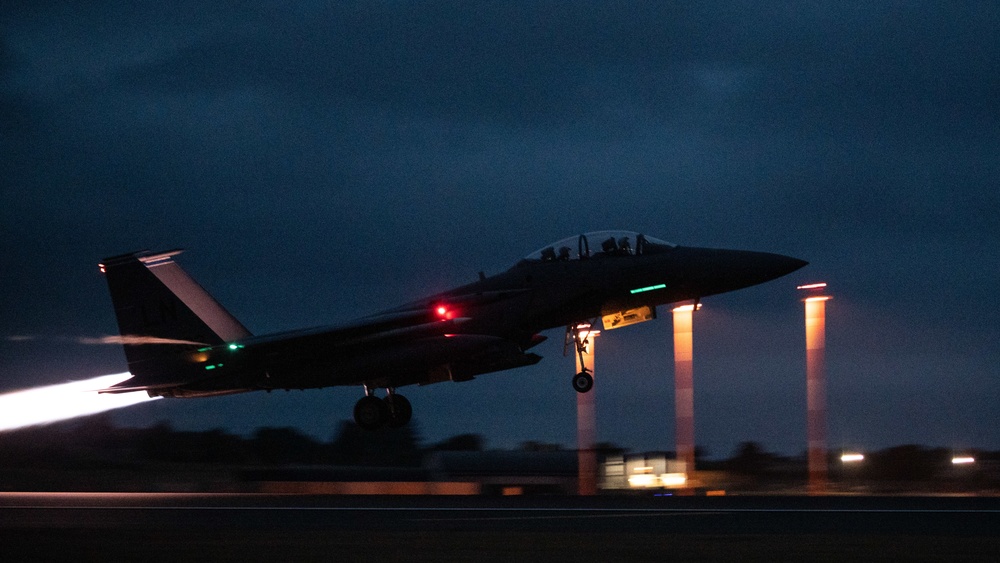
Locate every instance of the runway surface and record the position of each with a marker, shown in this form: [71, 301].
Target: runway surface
[134, 526]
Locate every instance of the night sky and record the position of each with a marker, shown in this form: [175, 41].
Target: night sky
[322, 161]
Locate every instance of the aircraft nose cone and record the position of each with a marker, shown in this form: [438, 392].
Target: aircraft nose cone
[718, 271]
[784, 265]
[760, 267]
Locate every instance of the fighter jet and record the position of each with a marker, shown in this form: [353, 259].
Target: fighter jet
[180, 342]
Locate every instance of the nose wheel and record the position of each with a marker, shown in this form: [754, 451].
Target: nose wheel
[583, 382]
[372, 413]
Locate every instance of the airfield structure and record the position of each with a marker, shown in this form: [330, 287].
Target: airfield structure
[815, 310]
[586, 422]
[684, 383]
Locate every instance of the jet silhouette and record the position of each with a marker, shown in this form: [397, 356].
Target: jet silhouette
[180, 342]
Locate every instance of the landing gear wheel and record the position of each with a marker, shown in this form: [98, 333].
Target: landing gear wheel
[371, 413]
[399, 410]
[583, 382]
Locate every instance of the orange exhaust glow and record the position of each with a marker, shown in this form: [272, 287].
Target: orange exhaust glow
[42, 405]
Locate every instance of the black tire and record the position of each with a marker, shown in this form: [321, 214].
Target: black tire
[371, 413]
[583, 382]
[400, 410]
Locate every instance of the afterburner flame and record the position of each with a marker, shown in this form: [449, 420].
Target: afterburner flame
[53, 403]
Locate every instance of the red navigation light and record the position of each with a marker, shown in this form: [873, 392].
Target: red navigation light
[445, 313]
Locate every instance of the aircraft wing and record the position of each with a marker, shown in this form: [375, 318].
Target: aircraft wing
[414, 345]
[437, 315]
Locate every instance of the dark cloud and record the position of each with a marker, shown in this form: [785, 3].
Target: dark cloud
[325, 160]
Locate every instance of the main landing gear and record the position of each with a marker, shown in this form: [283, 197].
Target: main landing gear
[578, 333]
[372, 413]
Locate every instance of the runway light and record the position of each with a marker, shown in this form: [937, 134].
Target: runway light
[963, 460]
[852, 458]
[52, 403]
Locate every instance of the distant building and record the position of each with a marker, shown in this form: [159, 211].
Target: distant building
[643, 471]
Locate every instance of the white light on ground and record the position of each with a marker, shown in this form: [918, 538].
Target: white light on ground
[673, 479]
[649, 480]
[962, 460]
[851, 458]
[645, 480]
[52, 403]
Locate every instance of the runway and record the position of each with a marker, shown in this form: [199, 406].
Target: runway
[136, 526]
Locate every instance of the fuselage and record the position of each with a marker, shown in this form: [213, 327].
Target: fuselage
[485, 326]
[534, 296]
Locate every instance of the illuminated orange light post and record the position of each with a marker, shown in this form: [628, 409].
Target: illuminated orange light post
[815, 306]
[586, 426]
[684, 383]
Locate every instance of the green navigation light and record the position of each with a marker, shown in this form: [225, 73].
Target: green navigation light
[648, 288]
[235, 346]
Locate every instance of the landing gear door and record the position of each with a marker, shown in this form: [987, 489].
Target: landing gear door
[628, 317]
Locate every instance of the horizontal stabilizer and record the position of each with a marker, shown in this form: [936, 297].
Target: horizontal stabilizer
[135, 383]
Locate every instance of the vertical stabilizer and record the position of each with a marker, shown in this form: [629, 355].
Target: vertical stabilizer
[163, 315]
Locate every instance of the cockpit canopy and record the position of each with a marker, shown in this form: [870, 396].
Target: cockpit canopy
[599, 243]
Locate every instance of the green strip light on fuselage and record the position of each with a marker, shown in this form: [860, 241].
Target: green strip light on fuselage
[648, 288]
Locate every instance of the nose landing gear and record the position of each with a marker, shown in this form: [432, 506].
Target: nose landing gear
[578, 333]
